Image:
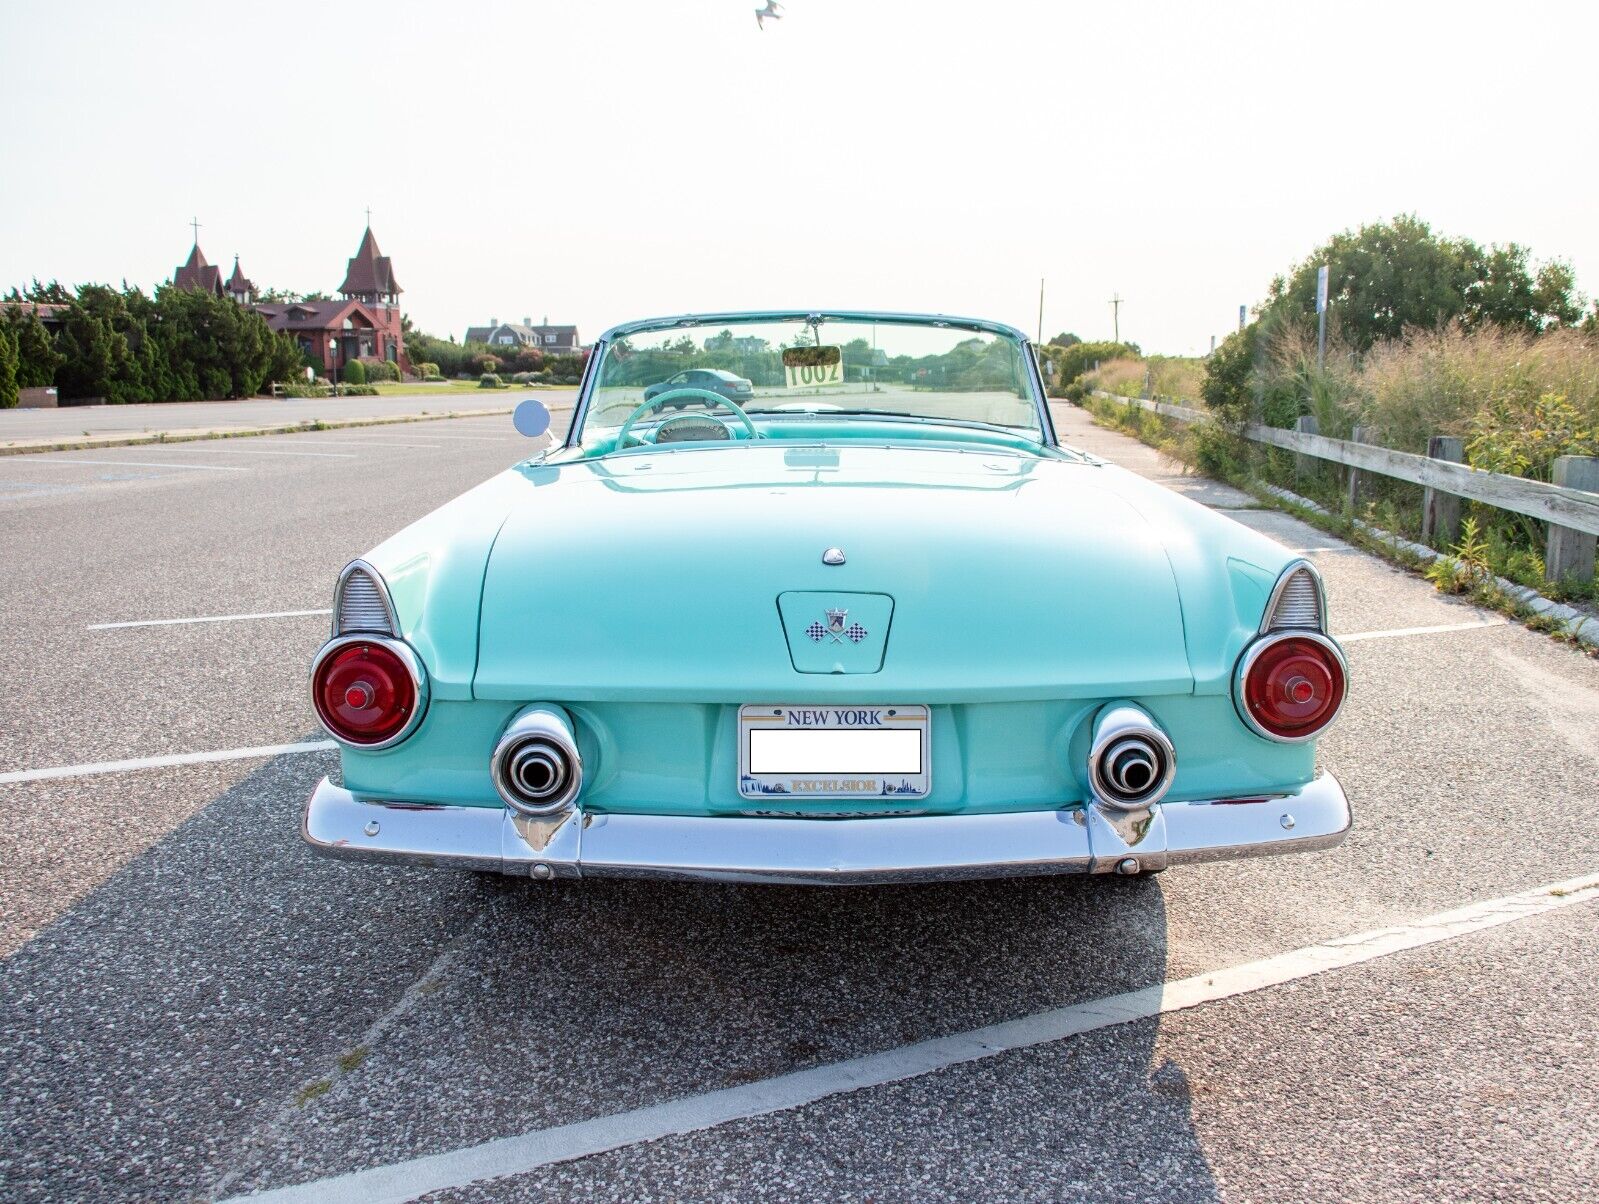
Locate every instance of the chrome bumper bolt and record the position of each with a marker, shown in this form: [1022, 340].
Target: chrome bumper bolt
[1287, 821]
[1127, 866]
[543, 872]
[371, 828]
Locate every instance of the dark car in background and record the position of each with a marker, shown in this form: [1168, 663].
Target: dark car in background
[716, 380]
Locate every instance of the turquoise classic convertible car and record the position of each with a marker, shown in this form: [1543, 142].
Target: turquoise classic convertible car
[871, 623]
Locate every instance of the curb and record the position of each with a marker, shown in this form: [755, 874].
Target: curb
[292, 428]
[1582, 627]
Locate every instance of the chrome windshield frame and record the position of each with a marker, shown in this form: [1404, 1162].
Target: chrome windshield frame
[1024, 346]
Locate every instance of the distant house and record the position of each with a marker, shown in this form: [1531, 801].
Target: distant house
[554, 340]
[50, 316]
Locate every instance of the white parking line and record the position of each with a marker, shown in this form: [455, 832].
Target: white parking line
[371, 442]
[261, 451]
[1399, 631]
[53, 460]
[517, 1155]
[508, 437]
[199, 758]
[270, 614]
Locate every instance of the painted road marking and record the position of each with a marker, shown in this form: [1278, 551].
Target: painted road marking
[517, 1155]
[52, 461]
[254, 451]
[1400, 631]
[506, 438]
[199, 758]
[269, 614]
[376, 442]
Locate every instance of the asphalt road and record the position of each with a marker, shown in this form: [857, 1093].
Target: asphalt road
[77, 422]
[193, 1006]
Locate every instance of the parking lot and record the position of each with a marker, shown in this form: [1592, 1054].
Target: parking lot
[194, 1006]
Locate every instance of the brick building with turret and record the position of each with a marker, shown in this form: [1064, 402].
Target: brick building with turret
[363, 324]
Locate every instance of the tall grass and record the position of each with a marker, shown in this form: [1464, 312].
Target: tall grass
[1455, 382]
[1167, 376]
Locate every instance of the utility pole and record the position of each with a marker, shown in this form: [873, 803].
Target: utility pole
[1040, 309]
[1116, 315]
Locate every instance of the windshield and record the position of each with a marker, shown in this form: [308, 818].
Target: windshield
[802, 370]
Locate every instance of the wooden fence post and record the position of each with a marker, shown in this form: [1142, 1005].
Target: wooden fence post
[1305, 465]
[1571, 553]
[1352, 497]
[1440, 512]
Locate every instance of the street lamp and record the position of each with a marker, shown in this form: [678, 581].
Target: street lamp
[333, 348]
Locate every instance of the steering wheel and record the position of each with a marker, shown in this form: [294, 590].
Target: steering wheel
[671, 395]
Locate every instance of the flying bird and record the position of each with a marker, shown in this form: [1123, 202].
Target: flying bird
[769, 11]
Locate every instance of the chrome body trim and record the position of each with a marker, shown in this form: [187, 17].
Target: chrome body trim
[927, 848]
[393, 628]
[1253, 653]
[1283, 578]
[1125, 727]
[413, 665]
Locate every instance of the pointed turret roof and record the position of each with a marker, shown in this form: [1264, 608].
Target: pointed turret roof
[196, 273]
[239, 282]
[370, 273]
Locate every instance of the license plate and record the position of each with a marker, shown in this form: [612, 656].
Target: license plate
[833, 751]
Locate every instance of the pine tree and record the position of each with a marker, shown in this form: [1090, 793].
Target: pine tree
[8, 368]
[37, 359]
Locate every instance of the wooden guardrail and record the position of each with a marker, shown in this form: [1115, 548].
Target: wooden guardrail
[1570, 506]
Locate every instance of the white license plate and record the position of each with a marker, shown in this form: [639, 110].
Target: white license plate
[808, 751]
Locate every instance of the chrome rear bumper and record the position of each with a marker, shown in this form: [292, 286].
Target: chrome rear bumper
[1090, 840]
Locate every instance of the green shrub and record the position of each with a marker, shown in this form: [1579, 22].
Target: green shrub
[377, 370]
[486, 365]
[8, 369]
[489, 381]
[352, 373]
[429, 371]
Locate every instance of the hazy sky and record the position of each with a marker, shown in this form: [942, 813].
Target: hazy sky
[607, 159]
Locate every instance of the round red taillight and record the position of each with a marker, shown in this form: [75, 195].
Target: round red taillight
[1292, 686]
[365, 692]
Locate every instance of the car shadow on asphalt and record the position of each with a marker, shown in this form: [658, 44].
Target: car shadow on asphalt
[187, 1020]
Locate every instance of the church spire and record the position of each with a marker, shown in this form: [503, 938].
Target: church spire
[370, 276]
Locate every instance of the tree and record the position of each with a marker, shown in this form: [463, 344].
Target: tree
[284, 363]
[53, 293]
[36, 352]
[97, 360]
[1231, 385]
[1064, 340]
[1387, 276]
[8, 368]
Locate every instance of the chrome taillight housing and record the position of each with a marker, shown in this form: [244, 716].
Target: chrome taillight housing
[368, 691]
[1291, 682]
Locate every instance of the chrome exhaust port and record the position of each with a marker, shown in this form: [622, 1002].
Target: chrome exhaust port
[536, 766]
[1131, 763]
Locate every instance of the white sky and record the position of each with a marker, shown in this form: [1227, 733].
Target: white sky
[600, 160]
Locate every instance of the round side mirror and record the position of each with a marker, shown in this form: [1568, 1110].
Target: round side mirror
[531, 418]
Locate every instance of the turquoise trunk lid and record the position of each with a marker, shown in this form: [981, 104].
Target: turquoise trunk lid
[977, 574]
